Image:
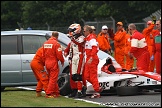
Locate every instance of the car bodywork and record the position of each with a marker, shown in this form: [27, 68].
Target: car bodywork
[15, 59]
[122, 83]
[137, 79]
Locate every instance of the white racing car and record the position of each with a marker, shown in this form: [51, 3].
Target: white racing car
[122, 83]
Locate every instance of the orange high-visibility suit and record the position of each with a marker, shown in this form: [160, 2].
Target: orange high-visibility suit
[149, 36]
[129, 60]
[103, 41]
[119, 45]
[52, 53]
[37, 65]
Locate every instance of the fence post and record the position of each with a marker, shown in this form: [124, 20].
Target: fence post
[113, 23]
[48, 26]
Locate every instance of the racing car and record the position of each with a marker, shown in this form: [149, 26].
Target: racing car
[123, 83]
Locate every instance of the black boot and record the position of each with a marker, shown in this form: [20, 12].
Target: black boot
[84, 88]
[73, 93]
[79, 95]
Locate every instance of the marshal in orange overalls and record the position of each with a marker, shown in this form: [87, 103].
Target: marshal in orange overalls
[129, 60]
[37, 65]
[149, 36]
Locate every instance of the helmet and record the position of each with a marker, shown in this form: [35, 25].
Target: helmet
[74, 29]
[108, 60]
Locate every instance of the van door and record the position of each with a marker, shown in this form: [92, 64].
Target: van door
[10, 61]
[31, 43]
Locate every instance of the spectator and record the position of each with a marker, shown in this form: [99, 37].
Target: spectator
[75, 50]
[103, 40]
[157, 47]
[119, 44]
[148, 32]
[94, 30]
[139, 48]
[52, 53]
[37, 66]
[92, 60]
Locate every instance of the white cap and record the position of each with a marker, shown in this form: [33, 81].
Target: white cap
[104, 27]
[93, 27]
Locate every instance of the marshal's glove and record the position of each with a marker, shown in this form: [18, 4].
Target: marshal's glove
[76, 77]
[154, 19]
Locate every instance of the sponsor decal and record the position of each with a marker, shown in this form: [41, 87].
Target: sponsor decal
[48, 45]
[154, 82]
[148, 81]
[104, 84]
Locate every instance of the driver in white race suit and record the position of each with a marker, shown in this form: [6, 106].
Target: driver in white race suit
[75, 50]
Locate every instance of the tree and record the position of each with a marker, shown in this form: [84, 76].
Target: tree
[10, 14]
[63, 13]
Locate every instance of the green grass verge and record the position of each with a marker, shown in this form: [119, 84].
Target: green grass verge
[15, 97]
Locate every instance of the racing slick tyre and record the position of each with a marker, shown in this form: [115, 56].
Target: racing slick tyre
[64, 84]
[127, 90]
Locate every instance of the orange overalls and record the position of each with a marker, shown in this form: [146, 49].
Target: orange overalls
[119, 45]
[37, 65]
[52, 53]
[129, 61]
[149, 36]
[103, 41]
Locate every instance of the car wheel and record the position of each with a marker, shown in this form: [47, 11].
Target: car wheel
[64, 84]
[2, 88]
[127, 90]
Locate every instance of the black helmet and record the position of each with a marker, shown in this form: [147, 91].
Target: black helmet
[108, 60]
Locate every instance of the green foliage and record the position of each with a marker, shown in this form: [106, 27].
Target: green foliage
[10, 14]
[63, 13]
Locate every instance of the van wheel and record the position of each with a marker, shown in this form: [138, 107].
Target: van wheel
[127, 90]
[64, 84]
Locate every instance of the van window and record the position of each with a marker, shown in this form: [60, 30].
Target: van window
[9, 45]
[32, 43]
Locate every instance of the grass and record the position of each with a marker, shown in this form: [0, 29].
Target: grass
[15, 97]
